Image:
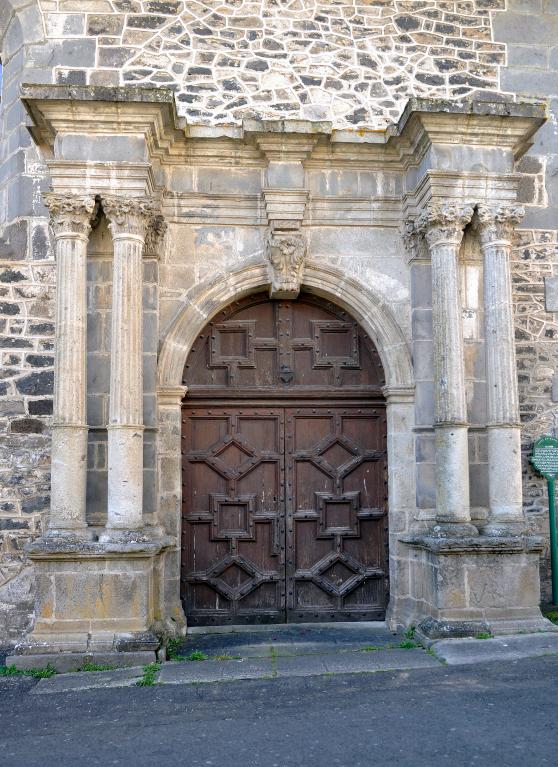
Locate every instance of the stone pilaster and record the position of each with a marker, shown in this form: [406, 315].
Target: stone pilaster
[129, 221]
[70, 217]
[495, 228]
[442, 225]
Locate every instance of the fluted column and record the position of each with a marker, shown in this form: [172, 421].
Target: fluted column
[495, 227]
[70, 218]
[443, 224]
[129, 220]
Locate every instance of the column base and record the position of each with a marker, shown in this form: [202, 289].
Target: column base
[470, 586]
[77, 534]
[453, 530]
[502, 529]
[95, 602]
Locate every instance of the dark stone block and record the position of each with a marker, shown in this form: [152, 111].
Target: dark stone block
[3, 388]
[13, 242]
[27, 426]
[14, 524]
[199, 71]
[40, 407]
[34, 505]
[8, 308]
[71, 76]
[407, 23]
[11, 342]
[42, 329]
[11, 275]
[257, 65]
[40, 360]
[36, 383]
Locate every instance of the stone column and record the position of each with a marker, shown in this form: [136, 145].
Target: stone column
[70, 218]
[442, 225]
[495, 227]
[129, 219]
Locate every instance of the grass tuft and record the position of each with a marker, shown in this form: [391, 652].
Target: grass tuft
[36, 673]
[196, 655]
[96, 667]
[483, 635]
[149, 675]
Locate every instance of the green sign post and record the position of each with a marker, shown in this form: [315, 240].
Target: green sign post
[545, 461]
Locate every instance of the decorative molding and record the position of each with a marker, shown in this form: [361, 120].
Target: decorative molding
[171, 395]
[443, 222]
[154, 236]
[70, 214]
[129, 216]
[285, 207]
[496, 223]
[285, 254]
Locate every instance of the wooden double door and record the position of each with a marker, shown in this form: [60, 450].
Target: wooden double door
[284, 481]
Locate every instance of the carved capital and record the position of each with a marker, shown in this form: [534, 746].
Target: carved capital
[497, 222]
[70, 214]
[442, 223]
[129, 216]
[413, 239]
[285, 254]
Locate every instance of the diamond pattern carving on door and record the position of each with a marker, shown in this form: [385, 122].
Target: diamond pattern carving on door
[233, 525]
[336, 513]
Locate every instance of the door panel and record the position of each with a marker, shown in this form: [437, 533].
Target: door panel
[233, 519]
[284, 501]
[336, 509]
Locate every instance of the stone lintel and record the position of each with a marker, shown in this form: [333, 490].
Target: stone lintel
[473, 544]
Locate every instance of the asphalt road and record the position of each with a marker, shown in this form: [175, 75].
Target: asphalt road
[499, 714]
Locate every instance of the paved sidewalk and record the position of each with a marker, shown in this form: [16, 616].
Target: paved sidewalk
[304, 651]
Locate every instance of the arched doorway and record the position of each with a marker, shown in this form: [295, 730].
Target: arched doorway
[284, 467]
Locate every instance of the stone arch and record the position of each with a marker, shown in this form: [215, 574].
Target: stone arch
[363, 302]
[368, 307]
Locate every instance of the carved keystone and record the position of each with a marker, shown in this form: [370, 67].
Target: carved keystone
[285, 254]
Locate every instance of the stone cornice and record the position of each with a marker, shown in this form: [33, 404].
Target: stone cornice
[151, 113]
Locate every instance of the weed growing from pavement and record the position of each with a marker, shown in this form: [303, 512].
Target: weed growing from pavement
[36, 673]
[95, 667]
[407, 644]
[196, 655]
[370, 648]
[483, 635]
[552, 616]
[226, 656]
[173, 647]
[149, 675]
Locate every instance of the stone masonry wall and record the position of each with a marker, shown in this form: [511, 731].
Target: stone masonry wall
[354, 62]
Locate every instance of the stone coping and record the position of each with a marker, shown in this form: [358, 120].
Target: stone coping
[482, 544]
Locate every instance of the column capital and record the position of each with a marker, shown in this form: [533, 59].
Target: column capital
[130, 217]
[497, 222]
[442, 223]
[70, 214]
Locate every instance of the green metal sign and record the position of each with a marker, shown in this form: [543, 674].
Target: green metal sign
[545, 461]
[545, 457]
